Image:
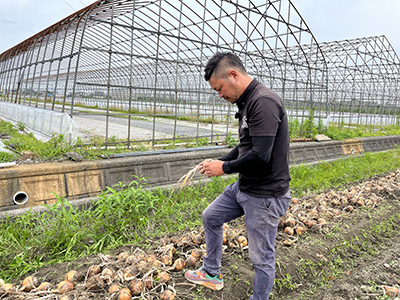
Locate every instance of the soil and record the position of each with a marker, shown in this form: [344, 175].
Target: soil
[350, 250]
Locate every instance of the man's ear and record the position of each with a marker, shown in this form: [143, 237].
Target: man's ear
[234, 74]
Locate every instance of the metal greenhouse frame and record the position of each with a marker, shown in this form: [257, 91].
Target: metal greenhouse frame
[364, 81]
[133, 70]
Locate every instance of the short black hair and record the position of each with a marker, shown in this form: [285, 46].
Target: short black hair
[220, 59]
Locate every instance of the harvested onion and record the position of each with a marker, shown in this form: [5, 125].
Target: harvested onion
[391, 291]
[191, 261]
[167, 295]
[107, 272]
[197, 239]
[29, 283]
[166, 260]
[64, 286]
[179, 264]
[124, 294]
[123, 256]
[241, 241]
[198, 253]
[93, 270]
[114, 288]
[148, 282]
[300, 230]
[44, 286]
[94, 283]
[73, 277]
[163, 276]
[136, 286]
[289, 230]
[7, 288]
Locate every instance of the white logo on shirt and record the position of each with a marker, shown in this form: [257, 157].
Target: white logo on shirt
[244, 123]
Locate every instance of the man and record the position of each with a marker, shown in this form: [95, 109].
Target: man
[261, 159]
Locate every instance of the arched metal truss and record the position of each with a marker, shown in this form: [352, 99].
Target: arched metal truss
[364, 81]
[138, 65]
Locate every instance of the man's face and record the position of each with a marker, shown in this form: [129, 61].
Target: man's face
[227, 87]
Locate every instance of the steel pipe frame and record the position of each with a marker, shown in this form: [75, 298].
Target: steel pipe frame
[142, 52]
[363, 81]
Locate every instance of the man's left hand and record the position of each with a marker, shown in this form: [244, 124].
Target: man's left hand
[211, 168]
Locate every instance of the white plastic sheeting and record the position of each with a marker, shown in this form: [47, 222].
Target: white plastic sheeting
[46, 122]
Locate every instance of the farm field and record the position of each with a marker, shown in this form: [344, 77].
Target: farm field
[336, 242]
[349, 251]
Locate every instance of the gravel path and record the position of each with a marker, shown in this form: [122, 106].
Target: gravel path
[141, 128]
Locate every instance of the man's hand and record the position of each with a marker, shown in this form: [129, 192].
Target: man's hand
[211, 168]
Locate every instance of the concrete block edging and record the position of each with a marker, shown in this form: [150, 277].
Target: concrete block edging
[79, 180]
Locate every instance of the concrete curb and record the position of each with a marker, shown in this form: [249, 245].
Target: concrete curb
[46, 182]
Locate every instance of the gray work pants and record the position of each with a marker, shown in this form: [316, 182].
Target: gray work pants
[262, 217]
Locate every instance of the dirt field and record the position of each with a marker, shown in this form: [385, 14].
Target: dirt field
[350, 250]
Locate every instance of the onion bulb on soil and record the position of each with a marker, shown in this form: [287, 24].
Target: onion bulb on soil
[64, 286]
[157, 264]
[143, 266]
[148, 282]
[136, 287]
[289, 230]
[303, 219]
[67, 297]
[198, 253]
[29, 283]
[197, 239]
[241, 241]
[391, 291]
[73, 277]
[140, 254]
[123, 256]
[93, 270]
[290, 222]
[114, 288]
[183, 242]
[163, 276]
[225, 239]
[310, 223]
[191, 261]
[166, 260]
[129, 273]
[179, 264]
[131, 259]
[107, 272]
[44, 286]
[124, 294]
[287, 243]
[300, 230]
[167, 295]
[95, 283]
[7, 288]
[168, 250]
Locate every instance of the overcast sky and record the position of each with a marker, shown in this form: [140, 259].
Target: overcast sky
[329, 20]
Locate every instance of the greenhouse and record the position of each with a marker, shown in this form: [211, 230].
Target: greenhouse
[133, 70]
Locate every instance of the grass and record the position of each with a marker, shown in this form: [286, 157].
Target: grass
[307, 179]
[133, 213]
[57, 146]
